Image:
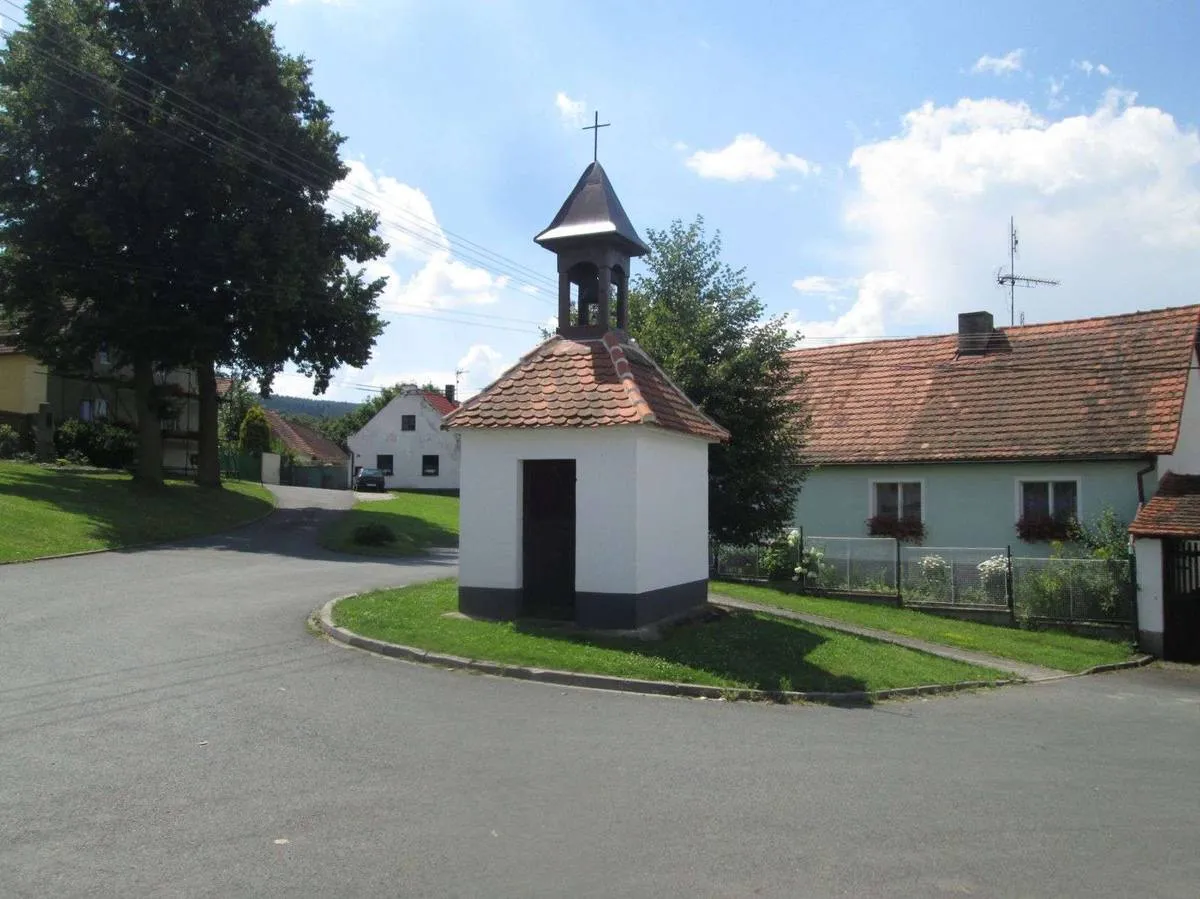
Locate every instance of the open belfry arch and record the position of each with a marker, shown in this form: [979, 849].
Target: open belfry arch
[584, 469]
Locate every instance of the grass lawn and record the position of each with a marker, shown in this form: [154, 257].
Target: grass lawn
[48, 512]
[1052, 649]
[419, 521]
[737, 650]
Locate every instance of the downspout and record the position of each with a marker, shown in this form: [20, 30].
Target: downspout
[1141, 486]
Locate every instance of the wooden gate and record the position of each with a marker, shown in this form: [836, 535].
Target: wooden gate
[1181, 600]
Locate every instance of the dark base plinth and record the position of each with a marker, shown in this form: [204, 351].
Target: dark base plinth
[595, 611]
[1151, 642]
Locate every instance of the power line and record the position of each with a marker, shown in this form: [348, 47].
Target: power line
[425, 237]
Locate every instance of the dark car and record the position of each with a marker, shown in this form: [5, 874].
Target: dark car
[369, 479]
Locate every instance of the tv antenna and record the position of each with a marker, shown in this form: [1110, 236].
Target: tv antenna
[458, 373]
[1012, 279]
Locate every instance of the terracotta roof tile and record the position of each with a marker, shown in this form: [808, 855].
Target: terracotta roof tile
[1174, 511]
[305, 441]
[585, 383]
[439, 402]
[1091, 388]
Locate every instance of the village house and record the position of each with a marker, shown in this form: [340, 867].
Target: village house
[406, 441]
[998, 437]
[32, 393]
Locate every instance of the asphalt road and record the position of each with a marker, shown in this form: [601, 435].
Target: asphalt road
[168, 727]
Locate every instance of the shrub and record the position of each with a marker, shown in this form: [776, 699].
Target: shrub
[103, 444]
[373, 534]
[777, 561]
[10, 442]
[255, 433]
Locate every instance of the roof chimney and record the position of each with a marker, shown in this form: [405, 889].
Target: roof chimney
[974, 331]
[450, 392]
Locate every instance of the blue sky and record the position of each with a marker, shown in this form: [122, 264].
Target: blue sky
[860, 159]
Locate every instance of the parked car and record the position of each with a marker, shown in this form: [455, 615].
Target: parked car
[369, 479]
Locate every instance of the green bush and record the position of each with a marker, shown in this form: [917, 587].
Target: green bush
[10, 442]
[373, 534]
[254, 435]
[103, 444]
[777, 561]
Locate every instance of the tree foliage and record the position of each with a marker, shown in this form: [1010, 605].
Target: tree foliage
[254, 435]
[186, 159]
[702, 322]
[234, 405]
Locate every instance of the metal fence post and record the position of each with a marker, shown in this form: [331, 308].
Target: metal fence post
[899, 592]
[1008, 585]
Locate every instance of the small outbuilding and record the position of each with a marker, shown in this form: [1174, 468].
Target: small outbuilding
[584, 469]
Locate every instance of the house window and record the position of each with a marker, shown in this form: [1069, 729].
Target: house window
[408, 422]
[85, 410]
[384, 464]
[1050, 499]
[429, 466]
[899, 500]
[101, 409]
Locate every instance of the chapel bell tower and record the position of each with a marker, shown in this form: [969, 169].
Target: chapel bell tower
[594, 241]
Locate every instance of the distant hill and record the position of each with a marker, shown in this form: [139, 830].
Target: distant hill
[314, 406]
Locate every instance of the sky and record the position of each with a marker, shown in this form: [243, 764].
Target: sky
[860, 160]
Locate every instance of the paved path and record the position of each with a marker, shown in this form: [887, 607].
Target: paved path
[166, 721]
[1021, 669]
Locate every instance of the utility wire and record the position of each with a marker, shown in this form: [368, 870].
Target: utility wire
[66, 66]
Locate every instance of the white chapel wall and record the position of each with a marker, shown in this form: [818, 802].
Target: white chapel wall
[490, 523]
[672, 520]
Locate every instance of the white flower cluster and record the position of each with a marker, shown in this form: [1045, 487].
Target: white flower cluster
[993, 570]
[933, 566]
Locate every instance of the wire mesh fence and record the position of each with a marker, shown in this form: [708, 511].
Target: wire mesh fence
[954, 576]
[1092, 590]
[851, 564]
[962, 577]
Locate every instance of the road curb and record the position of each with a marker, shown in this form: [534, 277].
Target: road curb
[323, 618]
[1140, 662]
[133, 546]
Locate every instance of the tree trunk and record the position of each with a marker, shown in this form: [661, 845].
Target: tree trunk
[150, 463]
[209, 467]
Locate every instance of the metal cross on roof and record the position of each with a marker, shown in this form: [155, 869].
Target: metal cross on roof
[595, 129]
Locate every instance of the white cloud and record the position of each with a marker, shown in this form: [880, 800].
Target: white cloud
[409, 225]
[819, 284]
[573, 112]
[1108, 202]
[747, 158]
[999, 65]
[481, 365]
[1087, 68]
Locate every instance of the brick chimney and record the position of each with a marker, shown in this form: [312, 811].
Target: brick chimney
[974, 331]
[450, 392]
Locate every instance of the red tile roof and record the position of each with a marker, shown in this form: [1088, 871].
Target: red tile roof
[304, 441]
[1079, 389]
[590, 383]
[441, 405]
[1174, 511]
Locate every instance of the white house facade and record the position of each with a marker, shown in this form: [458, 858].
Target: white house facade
[406, 441]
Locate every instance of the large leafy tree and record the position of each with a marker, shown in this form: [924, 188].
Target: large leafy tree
[702, 322]
[164, 192]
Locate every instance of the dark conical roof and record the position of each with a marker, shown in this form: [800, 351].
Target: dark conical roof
[593, 211]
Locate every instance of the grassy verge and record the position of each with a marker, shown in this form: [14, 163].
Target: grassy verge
[46, 512]
[419, 521]
[1052, 649]
[738, 650]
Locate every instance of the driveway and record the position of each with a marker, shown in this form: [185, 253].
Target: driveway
[168, 727]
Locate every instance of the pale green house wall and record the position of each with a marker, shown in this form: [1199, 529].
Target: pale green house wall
[966, 503]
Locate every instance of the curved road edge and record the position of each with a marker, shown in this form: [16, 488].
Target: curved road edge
[323, 620]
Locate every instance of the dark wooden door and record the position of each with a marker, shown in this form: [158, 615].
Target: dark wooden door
[1181, 600]
[549, 538]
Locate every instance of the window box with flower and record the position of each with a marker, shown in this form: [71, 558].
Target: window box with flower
[910, 530]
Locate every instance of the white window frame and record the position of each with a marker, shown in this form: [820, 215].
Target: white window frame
[1019, 507]
[898, 481]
